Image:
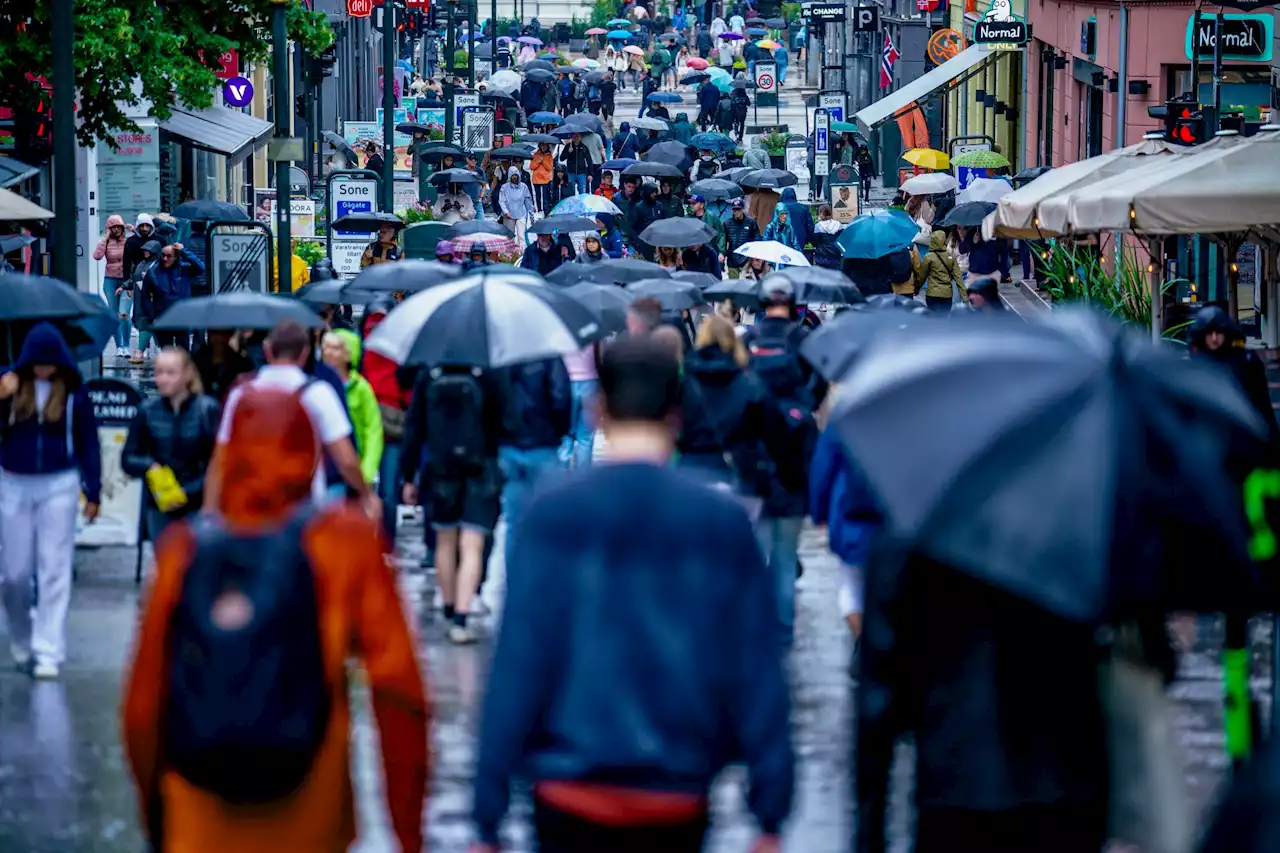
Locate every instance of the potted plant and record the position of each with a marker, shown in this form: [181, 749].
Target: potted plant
[578, 28]
[1078, 274]
[420, 212]
[459, 60]
[775, 142]
[309, 251]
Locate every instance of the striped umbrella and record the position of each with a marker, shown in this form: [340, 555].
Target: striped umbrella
[491, 242]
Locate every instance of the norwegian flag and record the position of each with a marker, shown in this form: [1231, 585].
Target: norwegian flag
[888, 57]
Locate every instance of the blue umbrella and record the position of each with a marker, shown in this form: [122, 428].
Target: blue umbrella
[619, 22]
[545, 118]
[756, 31]
[665, 98]
[712, 142]
[620, 35]
[406, 65]
[618, 164]
[874, 235]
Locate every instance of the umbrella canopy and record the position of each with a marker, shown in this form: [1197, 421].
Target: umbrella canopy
[652, 170]
[607, 302]
[405, 276]
[594, 77]
[453, 176]
[735, 174]
[566, 131]
[742, 292]
[412, 128]
[208, 210]
[929, 184]
[512, 152]
[239, 310]
[538, 65]
[969, 214]
[632, 49]
[32, 297]
[678, 233]
[617, 164]
[340, 144]
[332, 291]
[1026, 176]
[664, 98]
[533, 40]
[815, 284]
[434, 152]
[715, 189]
[564, 224]
[368, 222]
[741, 84]
[767, 44]
[498, 95]
[619, 35]
[768, 179]
[586, 121]
[14, 242]
[712, 142]
[617, 271]
[15, 208]
[585, 204]
[597, 31]
[672, 153]
[928, 158]
[777, 23]
[773, 252]
[463, 227]
[488, 319]
[539, 138]
[702, 280]
[731, 36]
[584, 62]
[491, 243]
[833, 346]
[985, 189]
[545, 117]
[540, 75]
[874, 235]
[718, 74]
[697, 63]
[649, 123]
[619, 22]
[506, 80]
[694, 79]
[981, 158]
[668, 38]
[672, 294]
[845, 127]
[757, 32]
[1087, 454]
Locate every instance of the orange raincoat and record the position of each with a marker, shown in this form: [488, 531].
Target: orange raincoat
[270, 460]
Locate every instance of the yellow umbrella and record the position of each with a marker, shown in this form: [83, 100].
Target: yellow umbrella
[768, 43]
[927, 158]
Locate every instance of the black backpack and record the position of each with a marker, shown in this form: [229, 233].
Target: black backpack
[249, 706]
[777, 365]
[706, 169]
[455, 422]
[899, 266]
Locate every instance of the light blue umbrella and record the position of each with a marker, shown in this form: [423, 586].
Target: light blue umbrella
[545, 118]
[619, 22]
[712, 142]
[665, 98]
[874, 235]
[620, 35]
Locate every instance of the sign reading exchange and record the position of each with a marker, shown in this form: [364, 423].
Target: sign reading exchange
[1244, 37]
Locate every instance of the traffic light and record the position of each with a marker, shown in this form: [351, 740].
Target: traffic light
[300, 106]
[1185, 121]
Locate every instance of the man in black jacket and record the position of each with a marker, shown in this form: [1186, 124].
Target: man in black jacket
[544, 255]
[537, 407]
[577, 161]
[738, 229]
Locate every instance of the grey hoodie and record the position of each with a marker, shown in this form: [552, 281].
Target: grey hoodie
[757, 157]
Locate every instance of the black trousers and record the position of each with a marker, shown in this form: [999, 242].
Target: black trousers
[1043, 829]
[173, 339]
[941, 304]
[559, 832]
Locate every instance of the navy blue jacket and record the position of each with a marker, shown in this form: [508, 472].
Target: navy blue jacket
[986, 257]
[163, 288]
[30, 446]
[540, 260]
[840, 498]
[537, 404]
[799, 216]
[616, 680]
[709, 97]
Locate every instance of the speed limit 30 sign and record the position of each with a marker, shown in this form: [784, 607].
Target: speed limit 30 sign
[766, 76]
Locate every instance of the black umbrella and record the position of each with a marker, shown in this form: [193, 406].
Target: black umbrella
[565, 224]
[332, 292]
[735, 174]
[1086, 460]
[833, 346]
[512, 152]
[594, 77]
[463, 227]
[652, 170]
[694, 78]
[489, 319]
[405, 276]
[715, 189]
[678, 233]
[84, 321]
[498, 95]
[239, 310]
[777, 23]
[742, 84]
[672, 153]
[538, 65]
[969, 214]
[208, 210]
[539, 75]
[768, 179]
[369, 222]
[434, 152]
[742, 292]
[566, 131]
[672, 294]
[453, 176]
[1028, 175]
[702, 280]
[14, 242]
[618, 271]
[608, 302]
[815, 284]
[412, 128]
[539, 138]
[586, 120]
[339, 144]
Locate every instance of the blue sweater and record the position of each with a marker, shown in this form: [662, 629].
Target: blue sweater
[652, 665]
[840, 498]
[32, 447]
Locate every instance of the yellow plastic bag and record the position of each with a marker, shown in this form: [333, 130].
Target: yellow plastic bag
[165, 488]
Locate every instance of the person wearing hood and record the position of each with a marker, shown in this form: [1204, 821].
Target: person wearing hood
[643, 213]
[703, 40]
[757, 157]
[701, 258]
[1216, 338]
[630, 141]
[739, 102]
[530, 92]
[197, 243]
[541, 168]
[610, 236]
[543, 256]
[592, 250]
[167, 283]
[826, 251]
[49, 454]
[143, 232]
[150, 256]
[800, 218]
[984, 295]
[393, 404]
[623, 200]
[938, 271]
[444, 252]
[704, 167]
[270, 454]
[682, 129]
[340, 349]
[780, 230]
[560, 187]
[669, 204]
[708, 103]
[782, 59]
[453, 205]
[115, 282]
[515, 204]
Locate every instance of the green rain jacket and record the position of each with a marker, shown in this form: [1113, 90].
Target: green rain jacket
[366, 419]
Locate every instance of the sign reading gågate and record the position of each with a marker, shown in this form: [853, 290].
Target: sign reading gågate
[1000, 29]
[1244, 37]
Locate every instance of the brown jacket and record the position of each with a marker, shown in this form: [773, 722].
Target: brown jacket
[939, 270]
[361, 616]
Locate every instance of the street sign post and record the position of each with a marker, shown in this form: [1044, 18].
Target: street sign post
[796, 161]
[460, 101]
[349, 191]
[821, 147]
[835, 103]
[1245, 38]
[767, 89]
[843, 194]
[239, 257]
[866, 19]
[477, 128]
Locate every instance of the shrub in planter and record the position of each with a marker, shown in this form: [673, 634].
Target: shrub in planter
[459, 60]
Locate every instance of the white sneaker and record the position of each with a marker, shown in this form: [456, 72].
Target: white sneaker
[45, 670]
[21, 657]
[461, 636]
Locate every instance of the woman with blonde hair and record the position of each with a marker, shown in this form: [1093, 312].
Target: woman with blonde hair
[50, 453]
[171, 441]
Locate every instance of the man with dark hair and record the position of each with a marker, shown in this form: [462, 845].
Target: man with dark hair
[622, 736]
[643, 316]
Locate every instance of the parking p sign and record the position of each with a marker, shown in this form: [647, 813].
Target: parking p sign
[359, 195]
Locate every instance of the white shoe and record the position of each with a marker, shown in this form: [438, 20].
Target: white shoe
[45, 670]
[461, 636]
[21, 657]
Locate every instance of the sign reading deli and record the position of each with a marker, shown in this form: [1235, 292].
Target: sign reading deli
[1000, 29]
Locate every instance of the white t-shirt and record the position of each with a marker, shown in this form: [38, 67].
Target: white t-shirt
[320, 400]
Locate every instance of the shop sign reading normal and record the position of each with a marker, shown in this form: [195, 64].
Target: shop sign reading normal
[1000, 29]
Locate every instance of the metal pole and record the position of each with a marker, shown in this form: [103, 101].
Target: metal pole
[281, 102]
[1123, 84]
[388, 106]
[493, 37]
[450, 47]
[1217, 72]
[471, 46]
[64, 142]
[319, 130]
[1195, 55]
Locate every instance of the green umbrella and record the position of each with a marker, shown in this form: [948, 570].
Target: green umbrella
[980, 158]
[844, 127]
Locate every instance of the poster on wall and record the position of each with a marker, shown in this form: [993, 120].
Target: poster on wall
[842, 193]
[129, 173]
[405, 195]
[302, 212]
[401, 141]
[115, 403]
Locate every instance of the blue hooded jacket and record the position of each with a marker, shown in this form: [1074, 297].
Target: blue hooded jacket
[840, 498]
[162, 288]
[31, 446]
[800, 220]
[611, 240]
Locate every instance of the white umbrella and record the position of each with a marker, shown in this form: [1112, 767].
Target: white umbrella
[930, 183]
[487, 320]
[773, 252]
[14, 207]
[985, 189]
[506, 81]
[648, 124]
[584, 62]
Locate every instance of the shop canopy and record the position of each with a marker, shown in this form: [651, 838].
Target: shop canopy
[15, 208]
[219, 129]
[952, 72]
[15, 171]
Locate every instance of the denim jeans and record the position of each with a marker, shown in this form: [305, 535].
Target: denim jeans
[579, 443]
[389, 488]
[124, 328]
[579, 183]
[779, 540]
[521, 470]
[782, 73]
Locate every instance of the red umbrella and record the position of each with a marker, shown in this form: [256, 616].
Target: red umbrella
[697, 63]
[596, 31]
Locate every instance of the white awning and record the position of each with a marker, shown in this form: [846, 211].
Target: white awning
[921, 87]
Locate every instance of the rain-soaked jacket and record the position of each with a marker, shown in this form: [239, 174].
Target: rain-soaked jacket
[360, 615]
[800, 219]
[938, 270]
